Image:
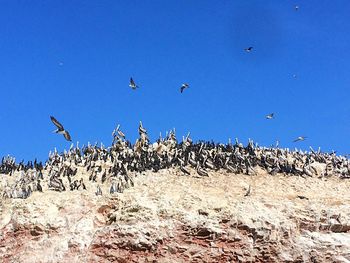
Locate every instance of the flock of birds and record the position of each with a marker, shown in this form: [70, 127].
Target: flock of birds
[113, 169]
[60, 129]
[134, 86]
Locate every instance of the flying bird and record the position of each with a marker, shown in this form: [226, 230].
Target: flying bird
[269, 116]
[133, 84]
[248, 49]
[184, 86]
[296, 7]
[300, 138]
[60, 129]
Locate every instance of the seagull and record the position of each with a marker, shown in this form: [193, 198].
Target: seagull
[296, 7]
[248, 49]
[133, 84]
[300, 138]
[60, 129]
[184, 86]
[269, 116]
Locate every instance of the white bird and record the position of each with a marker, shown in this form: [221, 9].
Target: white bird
[296, 7]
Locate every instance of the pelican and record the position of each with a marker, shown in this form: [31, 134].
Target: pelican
[121, 134]
[184, 86]
[60, 129]
[184, 170]
[133, 84]
[300, 138]
[269, 116]
[99, 191]
[248, 49]
[141, 129]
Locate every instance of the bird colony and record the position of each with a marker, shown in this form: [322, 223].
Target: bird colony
[114, 168]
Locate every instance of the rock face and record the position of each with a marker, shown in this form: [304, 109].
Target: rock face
[168, 217]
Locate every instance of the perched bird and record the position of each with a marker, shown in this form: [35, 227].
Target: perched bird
[183, 87]
[248, 191]
[248, 49]
[302, 197]
[269, 116]
[99, 191]
[133, 84]
[113, 188]
[60, 129]
[300, 138]
[184, 170]
[141, 129]
[38, 186]
[121, 134]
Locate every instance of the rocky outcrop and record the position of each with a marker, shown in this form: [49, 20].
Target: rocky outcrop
[167, 217]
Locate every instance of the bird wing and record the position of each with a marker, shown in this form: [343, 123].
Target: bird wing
[132, 82]
[57, 124]
[182, 89]
[67, 136]
[297, 139]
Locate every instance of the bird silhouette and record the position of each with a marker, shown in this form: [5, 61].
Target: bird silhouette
[270, 116]
[183, 87]
[300, 138]
[133, 84]
[60, 129]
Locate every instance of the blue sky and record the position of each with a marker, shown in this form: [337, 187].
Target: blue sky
[73, 60]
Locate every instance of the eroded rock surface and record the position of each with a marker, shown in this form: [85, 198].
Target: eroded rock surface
[168, 217]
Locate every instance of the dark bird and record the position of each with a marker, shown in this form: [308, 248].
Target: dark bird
[38, 186]
[60, 129]
[183, 87]
[269, 116]
[133, 84]
[248, 191]
[302, 197]
[300, 138]
[248, 49]
[184, 170]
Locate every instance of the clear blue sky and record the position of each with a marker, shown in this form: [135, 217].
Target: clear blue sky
[73, 60]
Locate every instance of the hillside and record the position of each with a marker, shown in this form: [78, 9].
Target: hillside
[176, 202]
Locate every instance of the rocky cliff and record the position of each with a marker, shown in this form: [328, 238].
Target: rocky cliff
[169, 217]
